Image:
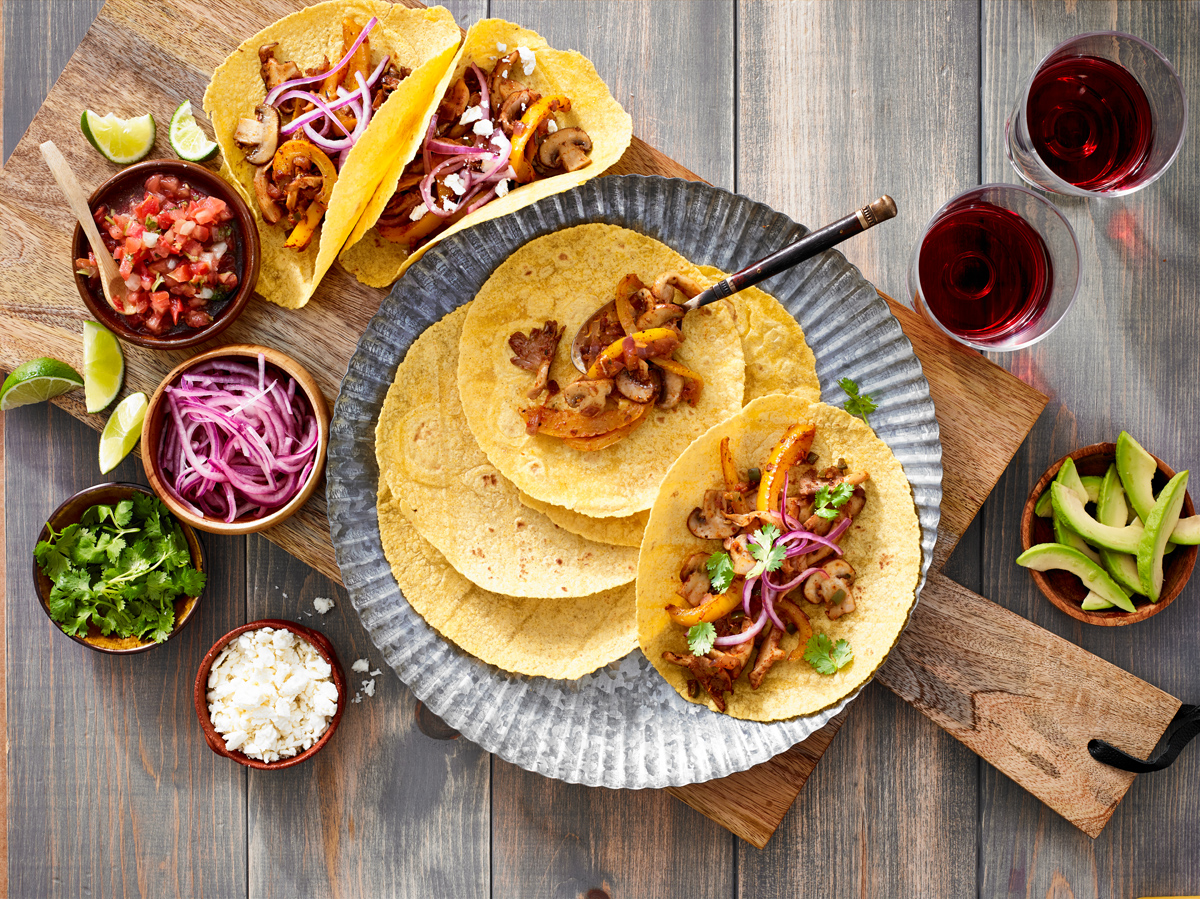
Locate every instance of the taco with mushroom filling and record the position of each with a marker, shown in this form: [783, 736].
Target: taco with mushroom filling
[513, 121]
[780, 561]
[306, 113]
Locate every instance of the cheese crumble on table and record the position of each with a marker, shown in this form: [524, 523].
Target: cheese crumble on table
[271, 694]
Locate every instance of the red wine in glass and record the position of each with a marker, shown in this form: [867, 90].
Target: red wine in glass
[1090, 122]
[985, 272]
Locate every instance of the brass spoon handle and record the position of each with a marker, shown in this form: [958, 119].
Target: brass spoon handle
[77, 200]
[805, 248]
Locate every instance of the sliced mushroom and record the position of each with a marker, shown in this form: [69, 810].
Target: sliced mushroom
[639, 387]
[695, 580]
[266, 204]
[273, 72]
[659, 316]
[259, 136]
[666, 285]
[499, 84]
[841, 569]
[709, 522]
[587, 397]
[514, 107]
[739, 554]
[568, 148]
[454, 103]
[672, 390]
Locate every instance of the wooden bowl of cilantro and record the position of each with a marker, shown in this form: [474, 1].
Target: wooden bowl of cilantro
[115, 571]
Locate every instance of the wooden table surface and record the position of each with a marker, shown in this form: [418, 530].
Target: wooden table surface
[814, 108]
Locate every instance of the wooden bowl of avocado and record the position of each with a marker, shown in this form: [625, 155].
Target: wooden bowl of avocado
[1091, 492]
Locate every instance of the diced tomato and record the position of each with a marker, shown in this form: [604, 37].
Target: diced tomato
[160, 301]
[133, 246]
[153, 183]
[197, 318]
[201, 233]
[227, 279]
[176, 309]
[148, 206]
[126, 266]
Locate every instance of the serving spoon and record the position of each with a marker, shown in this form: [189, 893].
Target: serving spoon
[793, 254]
[111, 281]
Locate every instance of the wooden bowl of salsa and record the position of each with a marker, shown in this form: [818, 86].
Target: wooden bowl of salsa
[192, 247]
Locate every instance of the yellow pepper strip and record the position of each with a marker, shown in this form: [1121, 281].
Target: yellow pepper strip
[303, 232]
[530, 121]
[728, 469]
[710, 610]
[600, 441]
[644, 344]
[792, 446]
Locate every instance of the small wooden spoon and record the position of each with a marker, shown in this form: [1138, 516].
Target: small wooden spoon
[111, 281]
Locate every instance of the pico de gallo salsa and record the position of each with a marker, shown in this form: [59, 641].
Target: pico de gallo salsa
[178, 250]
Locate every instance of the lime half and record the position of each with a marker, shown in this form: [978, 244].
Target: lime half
[122, 431]
[119, 140]
[103, 366]
[36, 381]
[188, 139]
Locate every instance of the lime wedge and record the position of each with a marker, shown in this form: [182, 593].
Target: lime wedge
[119, 140]
[122, 431]
[188, 139]
[36, 381]
[103, 366]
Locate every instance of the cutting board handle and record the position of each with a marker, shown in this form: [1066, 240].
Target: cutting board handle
[1182, 729]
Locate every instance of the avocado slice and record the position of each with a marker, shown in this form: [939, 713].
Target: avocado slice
[1068, 476]
[1091, 485]
[1159, 524]
[1068, 507]
[1136, 468]
[1111, 509]
[1052, 556]
[1094, 602]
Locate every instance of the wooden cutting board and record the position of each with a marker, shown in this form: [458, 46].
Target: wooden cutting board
[1025, 700]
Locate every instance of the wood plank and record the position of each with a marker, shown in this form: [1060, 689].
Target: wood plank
[112, 789]
[1124, 357]
[969, 665]
[827, 122]
[552, 839]
[383, 810]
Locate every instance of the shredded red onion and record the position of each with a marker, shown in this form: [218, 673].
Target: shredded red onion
[748, 634]
[274, 95]
[236, 443]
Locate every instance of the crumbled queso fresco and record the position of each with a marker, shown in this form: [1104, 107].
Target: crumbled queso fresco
[271, 694]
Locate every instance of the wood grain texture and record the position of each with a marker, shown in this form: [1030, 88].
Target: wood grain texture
[829, 118]
[1124, 357]
[965, 662]
[112, 789]
[551, 839]
[383, 810]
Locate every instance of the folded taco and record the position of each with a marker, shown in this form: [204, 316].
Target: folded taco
[511, 121]
[307, 113]
[780, 561]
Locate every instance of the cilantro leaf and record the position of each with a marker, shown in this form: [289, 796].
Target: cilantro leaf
[120, 569]
[762, 547]
[720, 571]
[828, 500]
[701, 637]
[826, 657]
[857, 404]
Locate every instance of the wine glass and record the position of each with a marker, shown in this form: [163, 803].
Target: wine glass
[1102, 115]
[996, 268]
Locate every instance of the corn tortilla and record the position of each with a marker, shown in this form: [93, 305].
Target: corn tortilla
[624, 531]
[424, 40]
[566, 276]
[377, 261]
[460, 503]
[883, 545]
[563, 639]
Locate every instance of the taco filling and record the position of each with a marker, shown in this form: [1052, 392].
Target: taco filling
[628, 352]
[779, 527]
[302, 133]
[489, 131]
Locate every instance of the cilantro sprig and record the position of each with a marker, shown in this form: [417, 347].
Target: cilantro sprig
[767, 555]
[826, 656]
[828, 501]
[720, 571]
[701, 637]
[860, 404]
[120, 568]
